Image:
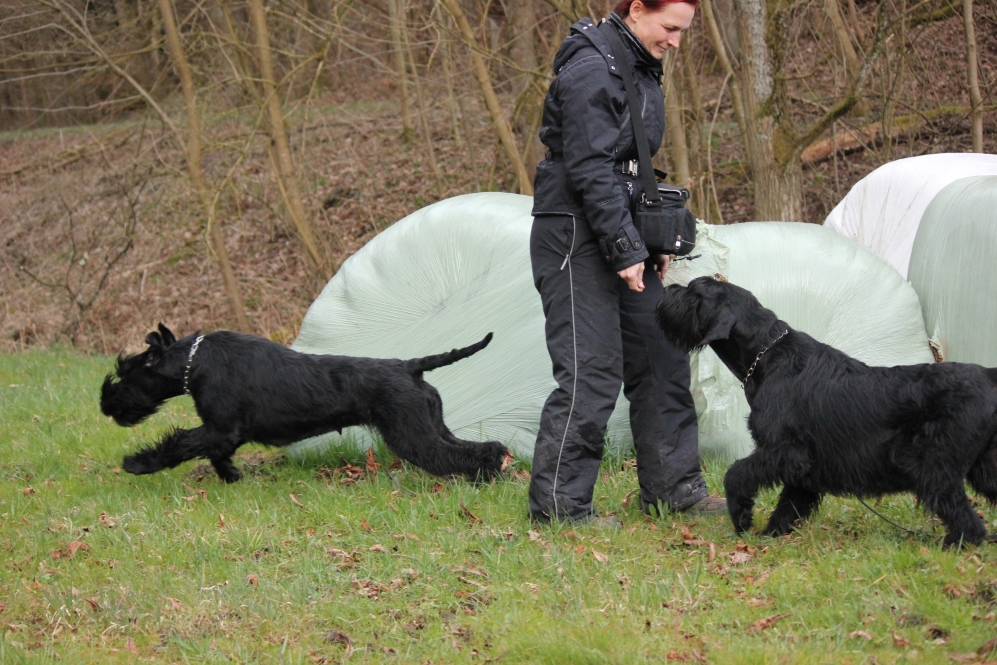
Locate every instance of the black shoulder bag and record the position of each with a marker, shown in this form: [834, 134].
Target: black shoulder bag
[661, 218]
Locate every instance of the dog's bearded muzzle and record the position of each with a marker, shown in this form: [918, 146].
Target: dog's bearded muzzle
[127, 407]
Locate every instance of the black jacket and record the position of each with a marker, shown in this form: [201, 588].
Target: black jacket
[587, 130]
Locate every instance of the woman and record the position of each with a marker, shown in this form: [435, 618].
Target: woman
[589, 265]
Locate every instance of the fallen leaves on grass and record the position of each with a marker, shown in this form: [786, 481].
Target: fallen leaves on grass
[378, 548]
[131, 646]
[365, 525]
[106, 520]
[767, 622]
[29, 490]
[372, 466]
[68, 551]
[338, 637]
[295, 501]
[859, 633]
[94, 605]
[471, 516]
[252, 580]
[600, 557]
[899, 641]
[172, 605]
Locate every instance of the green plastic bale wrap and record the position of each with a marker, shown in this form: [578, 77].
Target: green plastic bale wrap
[441, 278]
[817, 281]
[448, 274]
[952, 269]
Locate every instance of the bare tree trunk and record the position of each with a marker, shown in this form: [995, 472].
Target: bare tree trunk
[973, 74]
[693, 119]
[852, 62]
[522, 23]
[286, 178]
[501, 123]
[396, 14]
[678, 149]
[193, 154]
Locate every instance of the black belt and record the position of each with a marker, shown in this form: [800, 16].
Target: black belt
[630, 167]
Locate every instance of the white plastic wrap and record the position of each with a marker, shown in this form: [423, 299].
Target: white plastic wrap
[883, 210]
[952, 270]
[449, 273]
[441, 278]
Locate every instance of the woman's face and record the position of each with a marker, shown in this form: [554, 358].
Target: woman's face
[661, 30]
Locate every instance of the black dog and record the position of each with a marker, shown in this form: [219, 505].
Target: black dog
[825, 423]
[247, 388]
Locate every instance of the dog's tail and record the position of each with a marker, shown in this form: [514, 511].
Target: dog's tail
[420, 365]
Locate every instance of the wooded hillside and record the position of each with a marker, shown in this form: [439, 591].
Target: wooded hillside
[210, 163]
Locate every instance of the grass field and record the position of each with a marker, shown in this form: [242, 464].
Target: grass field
[306, 562]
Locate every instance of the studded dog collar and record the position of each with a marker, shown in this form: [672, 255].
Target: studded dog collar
[190, 359]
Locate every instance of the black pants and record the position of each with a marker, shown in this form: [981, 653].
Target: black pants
[599, 334]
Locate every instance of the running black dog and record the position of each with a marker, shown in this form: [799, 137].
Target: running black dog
[247, 388]
[825, 423]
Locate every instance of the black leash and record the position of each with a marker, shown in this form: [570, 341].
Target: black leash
[920, 534]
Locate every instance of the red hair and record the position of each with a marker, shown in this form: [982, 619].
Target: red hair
[623, 6]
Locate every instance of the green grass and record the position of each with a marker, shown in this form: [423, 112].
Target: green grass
[179, 568]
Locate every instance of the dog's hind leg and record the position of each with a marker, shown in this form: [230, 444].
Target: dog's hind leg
[795, 505]
[962, 525]
[982, 475]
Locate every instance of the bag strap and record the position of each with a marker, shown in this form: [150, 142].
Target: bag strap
[640, 135]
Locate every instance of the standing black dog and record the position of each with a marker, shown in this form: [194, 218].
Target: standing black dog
[824, 422]
[247, 388]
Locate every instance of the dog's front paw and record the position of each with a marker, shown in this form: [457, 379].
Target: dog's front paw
[740, 515]
[141, 463]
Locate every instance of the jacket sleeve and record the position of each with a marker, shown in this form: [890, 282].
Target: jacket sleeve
[591, 129]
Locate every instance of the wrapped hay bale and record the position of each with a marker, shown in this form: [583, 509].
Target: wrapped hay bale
[817, 281]
[952, 269]
[441, 278]
[884, 209]
[453, 271]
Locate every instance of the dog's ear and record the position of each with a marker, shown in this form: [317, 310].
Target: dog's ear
[168, 338]
[155, 351]
[720, 327]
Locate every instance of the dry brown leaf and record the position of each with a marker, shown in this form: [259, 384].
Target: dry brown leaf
[3, 607]
[336, 636]
[221, 521]
[600, 557]
[105, 520]
[295, 501]
[899, 641]
[767, 622]
[507, 460]
[75, 547]
[29, 490]
[713, 553]
[93, 604]
[372, 466]
[131, 646]
[252, 579]
[687, 534]
[203, 493]
[474, 518]
[859, 633]
[365, 525]
[377, 548]
[739, 557]
[471, 582]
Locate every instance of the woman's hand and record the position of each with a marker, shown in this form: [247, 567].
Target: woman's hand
[633, 276]
[661, 263]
